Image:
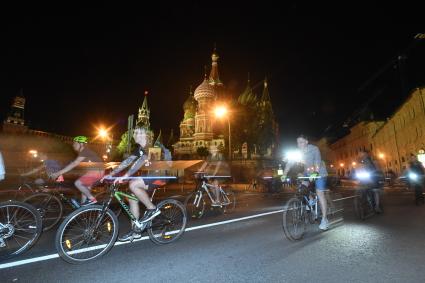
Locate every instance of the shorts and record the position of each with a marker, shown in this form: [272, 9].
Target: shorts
[89, 178]
[321, 184]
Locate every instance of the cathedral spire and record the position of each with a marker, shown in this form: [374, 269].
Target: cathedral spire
[266, 96]
[144, 113]
[214, 78]
[247, 97]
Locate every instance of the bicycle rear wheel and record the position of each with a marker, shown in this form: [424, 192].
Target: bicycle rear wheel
[20, 228]
[170, 224]
[195, 204]
[294, 222]
[86, 234]
[49, 206]
[228, 199]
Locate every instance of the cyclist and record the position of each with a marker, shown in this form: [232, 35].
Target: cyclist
[313, 166]
[91, 173]
[417, 175]
[213, 168]
[373, 180]
[138, 158]
[49, 166]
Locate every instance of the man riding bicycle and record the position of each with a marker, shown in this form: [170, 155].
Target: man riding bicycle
[137, 186]
[370, 176]
[313, 166]
[91, 174]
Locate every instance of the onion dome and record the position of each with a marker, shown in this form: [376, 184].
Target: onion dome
[204, 90]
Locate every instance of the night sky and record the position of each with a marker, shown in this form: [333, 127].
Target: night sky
[91, 68]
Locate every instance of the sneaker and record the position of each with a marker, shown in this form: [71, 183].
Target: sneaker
[89, 202]
[150, 214]
[130, 236]
[324, 224]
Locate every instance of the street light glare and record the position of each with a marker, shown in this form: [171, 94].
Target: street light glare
[103, 133]
[220, 111]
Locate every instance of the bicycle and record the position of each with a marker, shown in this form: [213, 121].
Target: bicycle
[304, 209]
[196, 202]
[369, 182]
[91, 231]
[50, 202]
[20, 228]
[364, 203]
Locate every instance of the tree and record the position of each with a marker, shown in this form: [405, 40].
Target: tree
[202, 152]
[122, 146]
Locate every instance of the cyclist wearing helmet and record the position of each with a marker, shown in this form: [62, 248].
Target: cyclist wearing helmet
[91, 174]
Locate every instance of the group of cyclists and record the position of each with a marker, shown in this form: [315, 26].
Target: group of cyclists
[311, 160]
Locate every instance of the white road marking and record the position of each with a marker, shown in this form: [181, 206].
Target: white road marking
[51, 256]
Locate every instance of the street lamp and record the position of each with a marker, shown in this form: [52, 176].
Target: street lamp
[104, 135]
[220, 112]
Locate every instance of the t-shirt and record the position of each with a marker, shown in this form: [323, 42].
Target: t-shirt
[312, 161]
[51, 166]
[92, 157]
[138, 152]
[89, 155]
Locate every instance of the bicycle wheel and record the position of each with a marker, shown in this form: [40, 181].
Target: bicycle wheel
[228, 199]
[294, 222]
[49, 206]
[20, 228]
[195, 204]
[170, 224]
[22, 191]
[114, 206]
[86, 234]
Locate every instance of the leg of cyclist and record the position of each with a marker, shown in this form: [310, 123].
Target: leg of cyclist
[216, 191]
[84, 184]
[320, 190]
[138, 188]
[376, 194]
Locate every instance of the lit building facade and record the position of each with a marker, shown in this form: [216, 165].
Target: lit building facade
[390, 142]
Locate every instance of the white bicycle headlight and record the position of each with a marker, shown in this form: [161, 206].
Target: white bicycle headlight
[363, 175]
[413, 176]
[294, 156]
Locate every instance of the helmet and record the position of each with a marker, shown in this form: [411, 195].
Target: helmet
[81, 139]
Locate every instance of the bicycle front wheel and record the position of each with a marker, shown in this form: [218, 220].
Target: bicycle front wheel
[228, 199]
[168, 226]
[20, 228]
[294, 222]
[195, 205]
[49, 206]
[86, 234]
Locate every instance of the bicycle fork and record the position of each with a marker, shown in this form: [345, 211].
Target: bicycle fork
[198, 198]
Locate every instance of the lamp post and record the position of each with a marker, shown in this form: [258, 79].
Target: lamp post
[104, 135]
[220, 112]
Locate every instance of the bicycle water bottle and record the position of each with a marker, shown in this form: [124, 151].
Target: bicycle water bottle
[75, 203]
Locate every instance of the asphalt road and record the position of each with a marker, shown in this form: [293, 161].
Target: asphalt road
[384, 248]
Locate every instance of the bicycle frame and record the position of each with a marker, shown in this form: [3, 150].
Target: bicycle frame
[206, 187]
[118, 195]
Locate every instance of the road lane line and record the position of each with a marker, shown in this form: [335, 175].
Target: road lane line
[344, 198]
[51, 256]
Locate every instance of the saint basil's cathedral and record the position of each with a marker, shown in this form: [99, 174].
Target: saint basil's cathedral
[200, 128]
